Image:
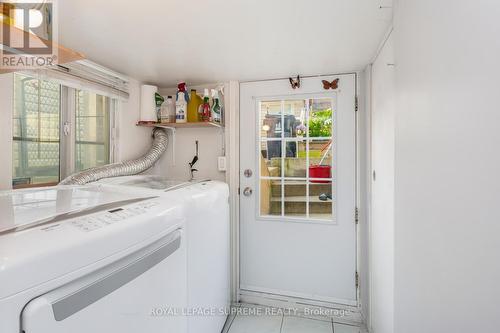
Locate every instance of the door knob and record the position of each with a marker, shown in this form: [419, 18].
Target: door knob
[247, 191]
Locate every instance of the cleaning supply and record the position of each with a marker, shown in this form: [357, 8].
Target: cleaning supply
[168, 111]
[181, 103]
[205, 107]
[216, 107]
[192, 109]
[158, 102]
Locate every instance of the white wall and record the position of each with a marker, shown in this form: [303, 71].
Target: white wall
[382, 191]
[363, 119]
[6, 107]
[447, 185]
[132, 141]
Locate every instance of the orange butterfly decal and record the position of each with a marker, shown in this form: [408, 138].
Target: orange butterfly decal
[331, 85]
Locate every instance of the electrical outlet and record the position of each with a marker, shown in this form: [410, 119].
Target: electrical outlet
[221, 163]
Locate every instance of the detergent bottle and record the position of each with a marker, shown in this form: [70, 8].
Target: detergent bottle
[192, 109]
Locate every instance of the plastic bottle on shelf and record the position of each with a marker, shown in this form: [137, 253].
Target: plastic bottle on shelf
[216, 108]
[181, 103]
[168, 111]
[205, 107]
[158, 103]
[192, 109]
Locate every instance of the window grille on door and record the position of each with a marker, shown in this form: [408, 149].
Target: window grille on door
[296, 140]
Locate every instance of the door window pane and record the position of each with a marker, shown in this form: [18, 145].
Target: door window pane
[92, 130]
[321, 199]
[270, 158]
[295, 198]
[321, 118]
[294, 118]
[270, 197]
[297, 175]
[36, 122]
[320, 158]
[295, 159]
[270, 115]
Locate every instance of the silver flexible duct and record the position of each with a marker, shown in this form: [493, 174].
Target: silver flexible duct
[126, 168]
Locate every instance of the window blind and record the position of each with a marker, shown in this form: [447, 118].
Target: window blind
[86, 75]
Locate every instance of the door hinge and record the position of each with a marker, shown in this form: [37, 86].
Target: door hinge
[356, 104]
[238, 191]
[356, 215]
[357, 280]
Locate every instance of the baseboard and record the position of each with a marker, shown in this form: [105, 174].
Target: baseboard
[318, 310]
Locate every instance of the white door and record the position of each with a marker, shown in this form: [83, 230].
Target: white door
[298, 189]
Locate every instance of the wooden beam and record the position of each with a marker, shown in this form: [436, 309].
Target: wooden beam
[64, 55]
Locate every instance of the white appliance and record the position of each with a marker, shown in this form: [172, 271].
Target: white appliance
[114, 258]
[208, 247]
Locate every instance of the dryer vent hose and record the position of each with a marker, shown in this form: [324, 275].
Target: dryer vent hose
[127, 168]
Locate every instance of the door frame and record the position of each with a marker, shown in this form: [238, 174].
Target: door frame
[280, 301]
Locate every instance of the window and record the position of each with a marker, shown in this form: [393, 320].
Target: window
[297, 149]
[57, 130]
[37, 111]
[92, 130]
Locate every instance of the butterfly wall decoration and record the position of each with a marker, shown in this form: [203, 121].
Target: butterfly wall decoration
[295, 83]
[330, 85]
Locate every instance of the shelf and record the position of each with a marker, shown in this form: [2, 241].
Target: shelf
[18, 36]
[200, 124]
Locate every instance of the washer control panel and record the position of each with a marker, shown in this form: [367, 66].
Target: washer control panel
[103, 219]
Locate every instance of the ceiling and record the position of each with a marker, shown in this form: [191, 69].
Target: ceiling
[165, 41]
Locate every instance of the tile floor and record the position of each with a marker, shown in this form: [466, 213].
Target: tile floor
[250, 322]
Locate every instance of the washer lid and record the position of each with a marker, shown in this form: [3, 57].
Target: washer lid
[144, 181]
[22, 208]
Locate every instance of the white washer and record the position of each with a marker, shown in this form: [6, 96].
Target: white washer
[91, 259]
[129, 254]
[208, 247]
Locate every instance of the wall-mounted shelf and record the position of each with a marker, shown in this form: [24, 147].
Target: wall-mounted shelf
[19, 36]
[200, 124]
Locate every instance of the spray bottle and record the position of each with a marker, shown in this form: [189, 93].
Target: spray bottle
[216, 108]
[205, 107]
[181, 103]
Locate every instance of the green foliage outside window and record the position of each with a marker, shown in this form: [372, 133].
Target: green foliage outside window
[320, 123]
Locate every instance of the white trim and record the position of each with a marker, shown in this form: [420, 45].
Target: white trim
[368, 213]
[232, 132]
[7, 108]
[306, 298]
[113, 130]
[286, 302]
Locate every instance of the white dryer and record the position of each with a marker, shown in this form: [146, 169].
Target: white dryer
[91, 259]
[208, 247]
